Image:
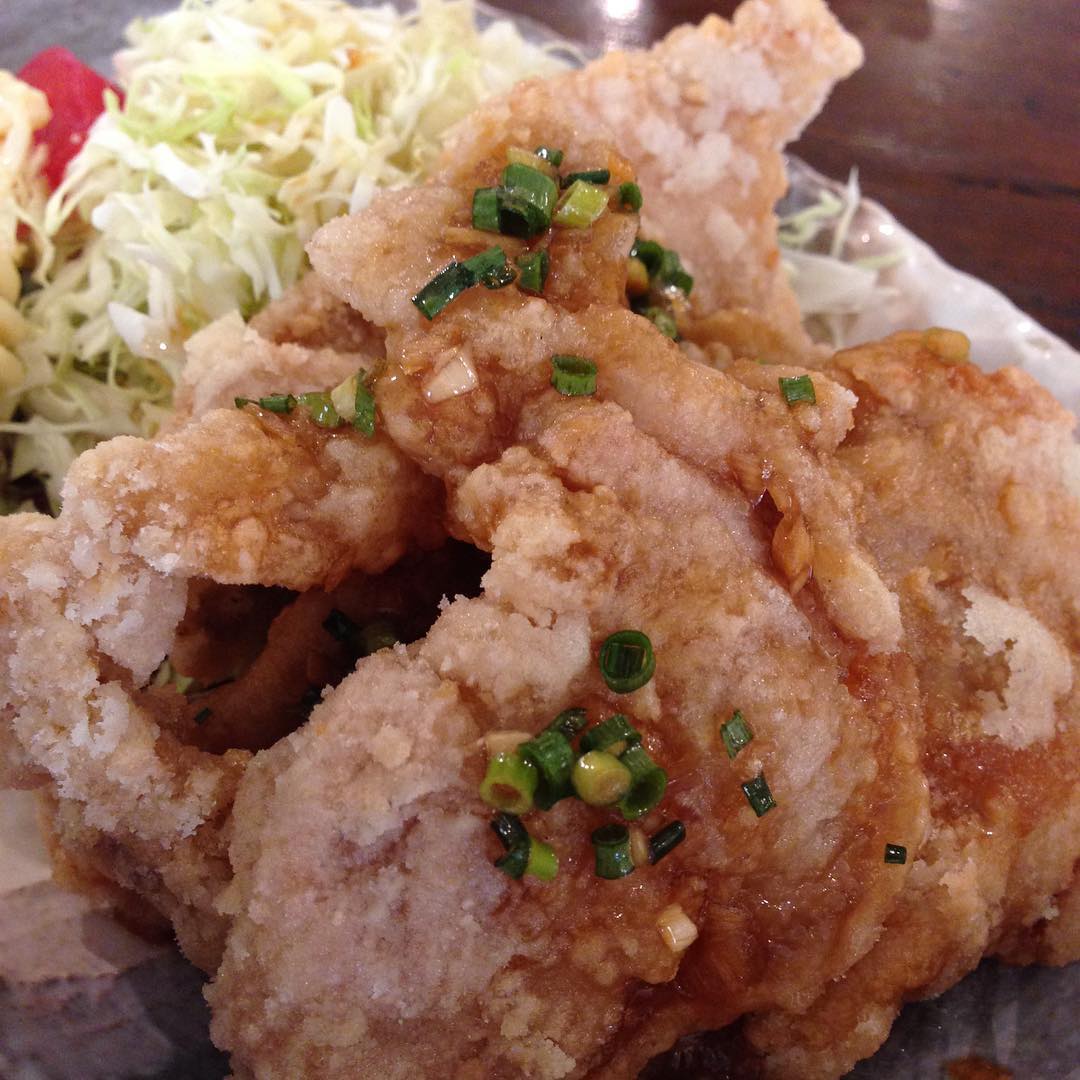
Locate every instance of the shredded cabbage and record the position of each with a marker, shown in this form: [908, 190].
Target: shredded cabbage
[831, 281]
[246, 124]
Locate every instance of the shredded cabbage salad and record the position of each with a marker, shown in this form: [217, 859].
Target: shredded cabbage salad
[831, 280]
[245, 125]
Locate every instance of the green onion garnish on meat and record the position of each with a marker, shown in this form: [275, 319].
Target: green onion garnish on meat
[364, 420]
[581, 204]
[526, 200]
[895, 854]
[590, 176]
[322, 410]
[509, 830]
[630, 197]
[627, 661]
[648, 782]
[612, 848]
[510, 783]
[533, 267]
[600, 778]
[275, 403]
[666, 840]
[670, 272]
[758, 795]
[552, 756]
[543, 863]
[573, 376]
[798, 388]
[485, 209]
[663, 320]
[569, 722]
[487, 262]
[547, 153]
[447, 285]
[524, 853]
[736, 734]
[614, 734]
[649, 252]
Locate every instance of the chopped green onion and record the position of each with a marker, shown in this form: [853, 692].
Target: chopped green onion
[534, 271]
[627, 661]
[630, 197]
[896, 854]
[485, 209]
[447, 285]
[491, 268]
[520, 217]
[322, 409]
[581, 205]
[573, 376]
[547, 153]
[515, 861]
[736, 734]
[364, 420]
[798, 388]
[758, 795]
[648, 784]
[551, 754]
[663, 320]
[648, 252]
[340, 627]
[543, 863]
[510, 783]
[590, 176]
[377, 635]
[486, 262]
[275, 403]
[670, 272]
[664, 841]
[610, 733]
[202, 716]
[278, 403]
[569, 722]
[600, 778]
[524, 853]
[613, 858]
[509, 830]
[526, 200]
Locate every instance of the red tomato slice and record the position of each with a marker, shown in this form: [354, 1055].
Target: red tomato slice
[76, 98]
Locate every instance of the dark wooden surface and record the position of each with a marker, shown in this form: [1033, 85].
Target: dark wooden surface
[964, 122]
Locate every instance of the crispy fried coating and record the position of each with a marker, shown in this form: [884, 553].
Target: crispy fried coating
[231, 497]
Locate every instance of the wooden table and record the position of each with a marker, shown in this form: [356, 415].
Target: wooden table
[964, 122]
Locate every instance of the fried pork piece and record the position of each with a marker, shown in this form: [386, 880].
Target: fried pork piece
[969, 498]
[89, 605]
[84, 623]
[702, 117]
